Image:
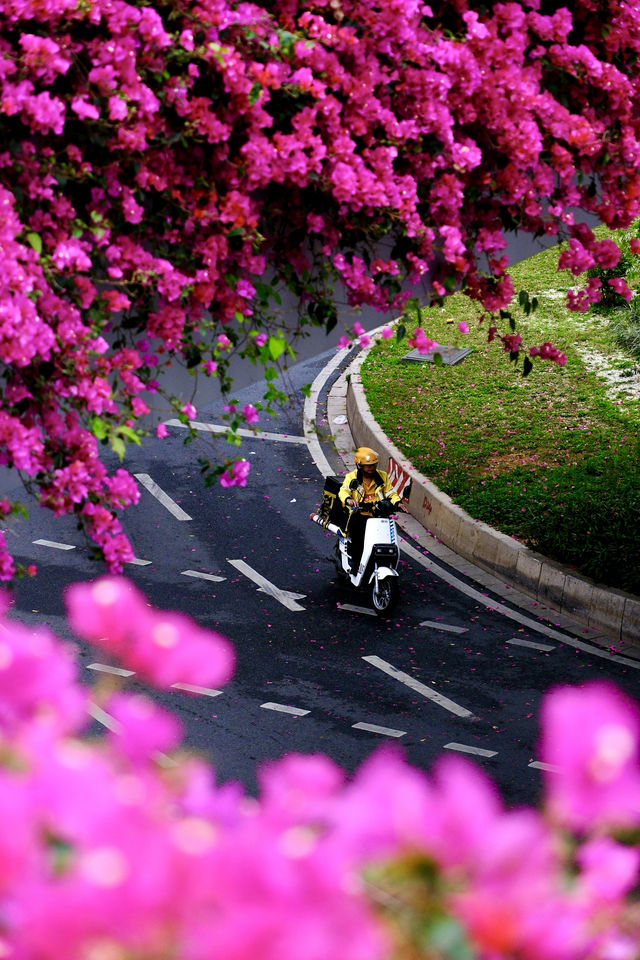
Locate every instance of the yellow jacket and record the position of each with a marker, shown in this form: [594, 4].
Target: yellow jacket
[353, 486]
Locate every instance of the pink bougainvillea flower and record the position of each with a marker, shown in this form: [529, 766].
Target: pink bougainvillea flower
[421, 342]
[387, 333]
[161, 431]
[261, 339]
[236, 475]
[223, 341]
[634, 245]
[190, 411]
[463, 326]
[343, 342]
[250, 413]
[590, 736]
[619, 284]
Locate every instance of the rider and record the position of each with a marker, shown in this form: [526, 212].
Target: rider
[360, 491]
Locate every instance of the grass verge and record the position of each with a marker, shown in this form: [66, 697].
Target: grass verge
[552, 459]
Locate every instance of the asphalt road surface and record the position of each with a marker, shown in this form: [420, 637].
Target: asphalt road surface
[316, 670]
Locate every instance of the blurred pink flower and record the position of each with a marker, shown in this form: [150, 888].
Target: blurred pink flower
[161, 431]
[163, 647]
[590, 734]
[387, 333]
[463, 327]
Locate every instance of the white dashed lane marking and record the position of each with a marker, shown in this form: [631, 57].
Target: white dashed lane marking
[282, 708]
[145, 480]
[115, 671]
[285, 597]
[202, 576]
[517, 642]
[54, 544]
[374, 728]
[192, 688]
[437, 625]
[104, 718]
[419, 687]
[352, 608]
[549, 767]
[476, 751]
[220, 428]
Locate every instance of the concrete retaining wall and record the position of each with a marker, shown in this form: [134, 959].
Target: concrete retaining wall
[612, 613]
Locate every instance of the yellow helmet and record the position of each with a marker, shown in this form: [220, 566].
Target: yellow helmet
[365, 455]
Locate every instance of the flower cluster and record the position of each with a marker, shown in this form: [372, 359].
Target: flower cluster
[158, 162]
[123, 845]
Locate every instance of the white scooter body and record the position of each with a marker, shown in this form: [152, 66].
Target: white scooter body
[378, 563]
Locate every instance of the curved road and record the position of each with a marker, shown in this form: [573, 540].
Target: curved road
[316, 671]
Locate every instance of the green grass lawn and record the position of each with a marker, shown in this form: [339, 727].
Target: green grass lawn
[553, 458]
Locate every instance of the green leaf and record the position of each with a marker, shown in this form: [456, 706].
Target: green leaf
[98, 428]
[35, 241]
[437, 359]
[527, 367]
[306, 390]
[401, 332]
[129, 434]
[276, 346]
[254, 93]
[523, 297]
[117, 445]
[512, 323]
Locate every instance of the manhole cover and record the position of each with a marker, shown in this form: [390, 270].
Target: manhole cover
[450, 355]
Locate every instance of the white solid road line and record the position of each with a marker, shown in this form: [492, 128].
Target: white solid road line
[54, 544]
[282, 596]
[145, 480]
[521, 618]
[437, 625]
[310, 414]
[476, 751]
[419, 687]
[139, 563]
[202, 576]
[517, 642]
[374, 728]
[254, 434]
[281, 708]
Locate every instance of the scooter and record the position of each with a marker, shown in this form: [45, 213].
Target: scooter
[380, 553]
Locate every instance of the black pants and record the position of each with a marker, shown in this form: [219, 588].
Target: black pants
[355, 529]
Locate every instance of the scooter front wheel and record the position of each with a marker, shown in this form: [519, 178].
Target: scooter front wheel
[385, 595]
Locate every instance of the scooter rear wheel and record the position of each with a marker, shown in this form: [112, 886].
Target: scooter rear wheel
[385, 597]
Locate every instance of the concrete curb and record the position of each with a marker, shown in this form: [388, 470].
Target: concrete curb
[608, 612]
